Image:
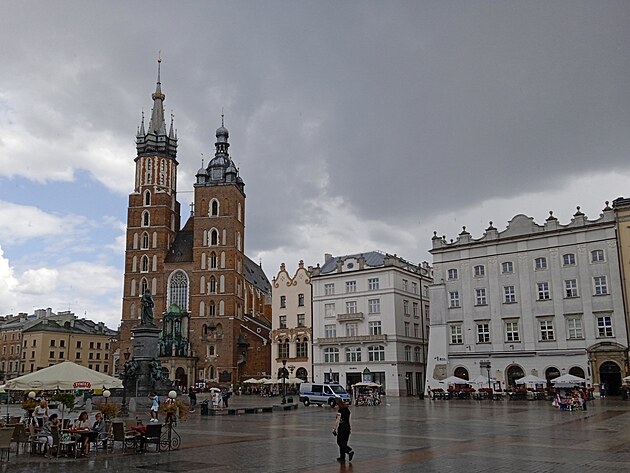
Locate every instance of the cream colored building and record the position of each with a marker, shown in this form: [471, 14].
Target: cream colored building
[531, 299]
[48, 342]
[292, 322]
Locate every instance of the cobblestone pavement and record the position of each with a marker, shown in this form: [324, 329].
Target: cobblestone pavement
[402, 435]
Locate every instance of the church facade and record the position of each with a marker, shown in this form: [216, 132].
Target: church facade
[212, 303]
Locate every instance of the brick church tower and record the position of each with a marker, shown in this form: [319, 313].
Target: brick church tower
[211, 301]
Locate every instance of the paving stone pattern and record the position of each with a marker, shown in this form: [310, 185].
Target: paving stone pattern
[403, 435]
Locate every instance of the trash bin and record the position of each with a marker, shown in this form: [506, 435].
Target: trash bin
[204, 408]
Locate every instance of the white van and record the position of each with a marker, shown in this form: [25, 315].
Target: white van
[320, 393]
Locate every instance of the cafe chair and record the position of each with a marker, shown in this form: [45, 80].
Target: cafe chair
[126, 439]
[64, 445]
[153, 436]
[6, 434]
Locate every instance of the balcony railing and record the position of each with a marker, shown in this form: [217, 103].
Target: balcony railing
[350, 316]
[353, 339]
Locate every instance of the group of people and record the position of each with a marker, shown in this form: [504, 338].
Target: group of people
[571, 400]
[84, 433]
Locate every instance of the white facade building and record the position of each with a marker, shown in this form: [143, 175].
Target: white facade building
[532, 299]
[291, 323]
[371, 321]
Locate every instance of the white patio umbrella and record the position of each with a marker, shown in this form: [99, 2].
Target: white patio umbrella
[272, 381]
[254, 381]
[454, 380]
[64, 376]
[567, 381]
[531, 379]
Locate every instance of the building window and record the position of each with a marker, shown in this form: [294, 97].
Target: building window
[511, 332]
[50, 355]
[300, 320]
[330, 331]
[543, 291]
[373, 284]
[353, 354]
[406, 308]
[351, 286]
[146, 220]
[212, 263]
[352, 330]
[601, 287]
[351, 307]
[568, 259]
[452, 273]
[457, 337]
[407, 353]
[78, 343]
[283, 349]
[416, 330]
[540, 263]
[300, 300]
[62, 343]
[417, 356]
[329, 289]
[145, 241]
[546, 330]
[414, 287]
[405, 285]
[282, 321]
[479, 270]
[283, 302]
[329, 309]
[509, 294]
[407, 329]
[416, 314]
[507, 267]
[574, 329]
[570, 288]
[302, 348]
[214, 208]
[374, 306]
[91, 345]
[144, 264]
[178, 290]
[604, 326]
[375, 327]
[331, 355]
[483, 333]
[597, 256]
[77, 355]
[480, 296]
[52, 343]
[376, 353]
[453, 299]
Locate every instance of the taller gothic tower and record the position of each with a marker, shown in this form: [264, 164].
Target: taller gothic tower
[211, 301]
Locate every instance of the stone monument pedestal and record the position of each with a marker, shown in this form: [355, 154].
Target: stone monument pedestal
[145, 355]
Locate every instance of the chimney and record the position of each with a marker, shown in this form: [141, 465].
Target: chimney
[327, 257]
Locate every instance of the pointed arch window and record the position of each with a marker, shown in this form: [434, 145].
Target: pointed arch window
[145, 240]
[146, 218]
[147, 197]
[162, 172]
[149, 171]
[211, 309]
[144, 264]
[212, 264]
[214, 208]
[214, 237]
[212, 286]
[178, 290]
[144, 285]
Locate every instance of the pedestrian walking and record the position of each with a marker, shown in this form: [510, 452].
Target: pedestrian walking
[342, 431]
[155, 407]
[193, 399]
[225, 395]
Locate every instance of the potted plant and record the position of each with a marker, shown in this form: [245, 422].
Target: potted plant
[109, 409]
[174, 409]
[29, 405]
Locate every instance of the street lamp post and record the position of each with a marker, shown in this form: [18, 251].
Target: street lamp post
[106, 394]
[487, 366]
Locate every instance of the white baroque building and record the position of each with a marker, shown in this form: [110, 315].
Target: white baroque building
[371, 321]
[532, 299]
[291, 323]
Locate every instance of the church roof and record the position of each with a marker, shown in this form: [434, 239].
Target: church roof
[182, 249]
[256, 276]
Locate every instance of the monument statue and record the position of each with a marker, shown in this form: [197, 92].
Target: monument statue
[147, 309]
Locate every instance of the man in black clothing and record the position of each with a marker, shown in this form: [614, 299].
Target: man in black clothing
[342, 431]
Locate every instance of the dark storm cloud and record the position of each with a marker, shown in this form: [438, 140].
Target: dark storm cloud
[402, 110]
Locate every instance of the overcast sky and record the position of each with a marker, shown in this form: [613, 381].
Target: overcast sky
[356, 125]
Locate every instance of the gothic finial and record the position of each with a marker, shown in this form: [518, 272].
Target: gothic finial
[222, 116]
[159, 63]
[201, 159]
